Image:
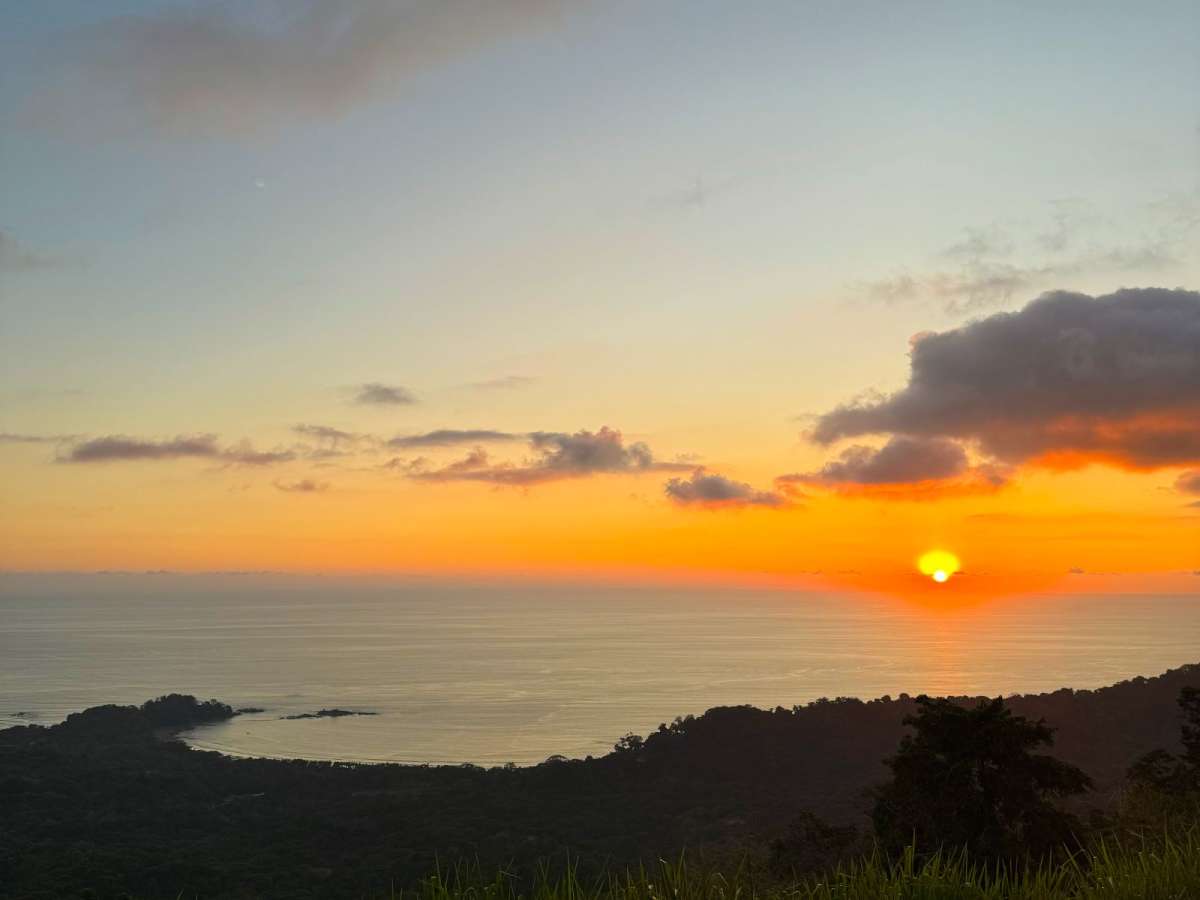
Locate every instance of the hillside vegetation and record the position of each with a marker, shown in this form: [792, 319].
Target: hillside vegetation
[101, 802]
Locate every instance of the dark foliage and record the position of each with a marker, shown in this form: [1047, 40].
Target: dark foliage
[1164, 786]
[811, 845]
[969, 778]
[183, 711]
[99, 801]
[1189, 703]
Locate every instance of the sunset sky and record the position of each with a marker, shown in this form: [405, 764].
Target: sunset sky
[682, 290]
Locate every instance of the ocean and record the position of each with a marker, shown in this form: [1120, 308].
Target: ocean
[498, 674]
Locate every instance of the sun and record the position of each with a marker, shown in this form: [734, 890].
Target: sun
[938, 565]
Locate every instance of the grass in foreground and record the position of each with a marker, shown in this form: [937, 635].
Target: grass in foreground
[1162, 869]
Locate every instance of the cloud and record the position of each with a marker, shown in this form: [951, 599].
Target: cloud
[376, 394]
[981, 285]
[303, 486]
[503, 383]
[448, 437]
[904, 468]
[8, 437]
[327, 433]
[244, 454]
[901, 460]
[1069, 379]
[475, 461]
[975, 286]
[717, 491]
[978, 273]
[15, 257]
[696, 194]
[331, 442]
[1188, 482]
[558, 456]
[980, 243]
[117, 448]
[247, 68]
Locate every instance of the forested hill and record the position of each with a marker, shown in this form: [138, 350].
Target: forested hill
[102, 802]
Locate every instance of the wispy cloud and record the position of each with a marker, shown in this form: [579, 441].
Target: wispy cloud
[558, 456]
[8, 437]
[695, 194]
[249, 67]
[449, 437]
[989, 267]
[16, 257]
[328, 442]
[503, 383]
[303, 486]
[244, 454]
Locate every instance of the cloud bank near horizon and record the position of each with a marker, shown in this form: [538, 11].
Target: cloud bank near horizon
[1066, 381]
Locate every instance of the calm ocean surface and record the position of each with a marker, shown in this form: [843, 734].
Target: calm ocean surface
[492, 675]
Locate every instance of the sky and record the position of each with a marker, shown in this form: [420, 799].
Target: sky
[792, 291]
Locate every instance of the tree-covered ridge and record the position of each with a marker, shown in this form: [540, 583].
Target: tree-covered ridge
[101, 802]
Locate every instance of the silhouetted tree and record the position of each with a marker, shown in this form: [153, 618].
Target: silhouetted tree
[630, 743]
[1176, 777]
[969, 778]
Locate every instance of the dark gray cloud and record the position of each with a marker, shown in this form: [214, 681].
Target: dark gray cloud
[558, 456]
[901, 460]
[601, 451]
[248, 67]
[118, 448]
[449, 437]
[377, 394]
[1188, 482]
[1067, 380]
[244, 454]
[503, 383]
[702, 488]
[303, 486]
